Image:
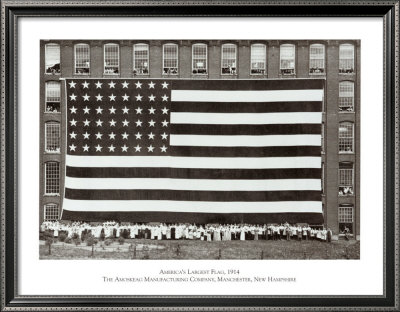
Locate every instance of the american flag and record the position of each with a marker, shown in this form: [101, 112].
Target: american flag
[201, 151]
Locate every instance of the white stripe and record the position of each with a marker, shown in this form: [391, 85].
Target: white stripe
[246, 96]
[245, 140]
[186, 206]
[193, 162]
[245, 118]
[192, 184]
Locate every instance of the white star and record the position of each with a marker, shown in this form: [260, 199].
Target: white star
[112, 136]
[138, 85]
[163, 149]
[99, 110]
[85, 148]
[138, 136]
[151, 98]
[125, 97]
[165, 85]
[98, 84]
[112, 110]
[150, 148]
[99, 123]
[165, 110]
[164, 136]
[125, 84]
[151, 85]
[73, 122]
[138, 148]
[85, 85]
[138, 110]
[86, 136]
[152, 123]
[72, 147]
[99, 97]
[124, 148]
[112, 97]
[112, 123]
[111, 84]
[125, 136]
[73, 97]
[86, 97]
[165, 97]
[138, 97]
[86, 110]
[111, 148]
[125, 123]
[73, 110]
[151, 110]
[164, 123]
[98, 135]
[72, 84]
[86, 123]
[73, 135]
[125, 110]
[98, 148]
[138, 123]
[151, 136]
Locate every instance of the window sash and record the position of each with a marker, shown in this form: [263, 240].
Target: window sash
[53, 91]
[111, 59]
[317, 56]
[287, 56]
[52, 55]
[51, 212]
[345, 214]
[199, 58]
[258, 58]
[170, 59]
[141, 58]
[346, 96]
[346, 56]
[228, 59]
[346, 137]
[82, 59]
[52, 137]
[52, 178]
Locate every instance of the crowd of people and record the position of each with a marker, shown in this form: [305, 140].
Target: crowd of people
[207, 232]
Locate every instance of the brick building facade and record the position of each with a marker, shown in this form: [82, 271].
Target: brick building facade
[335, 60]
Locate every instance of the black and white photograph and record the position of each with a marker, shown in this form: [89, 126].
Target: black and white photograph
[199, 149]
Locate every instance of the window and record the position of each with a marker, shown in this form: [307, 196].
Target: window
[52, 178]
[346, 96]
[51, 212]
[346, 59]
[345, 218]
[346, 137]
[317, 59]
[111, 59]
[52, 97]
[228, 61]
[258, 59]
[141, 59]
[199, 59]
[52, 58]
[287, 55]
[52, 137]
[346, 179]
[170, 59]
[82, 59]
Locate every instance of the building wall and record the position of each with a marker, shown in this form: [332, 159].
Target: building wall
[331, 116]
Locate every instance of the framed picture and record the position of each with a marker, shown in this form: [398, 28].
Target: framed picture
[199, 156]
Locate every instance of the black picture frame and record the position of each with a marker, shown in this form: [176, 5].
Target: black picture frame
[12, 10]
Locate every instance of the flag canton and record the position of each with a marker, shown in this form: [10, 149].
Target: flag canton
[118, 117]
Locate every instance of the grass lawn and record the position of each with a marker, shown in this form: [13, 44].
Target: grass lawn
[198, 250]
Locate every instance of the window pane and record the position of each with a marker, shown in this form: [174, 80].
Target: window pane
[111, 59]
[346, 137]
[346, 96]
[228, 64]
[346, 58]
[53, 97]
[82, 59]
[51, 212]
[317, 58]
[258, 58]
[346, 179]
[199, 58]
[170, 59]
[287, 56]
[52, 176]
[141, 59]
[52, 137]
[345, 218]
[52, 58]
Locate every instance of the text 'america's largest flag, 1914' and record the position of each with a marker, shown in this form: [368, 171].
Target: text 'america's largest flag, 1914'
[201, 151]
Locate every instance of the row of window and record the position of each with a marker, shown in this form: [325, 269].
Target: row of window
[170, 61]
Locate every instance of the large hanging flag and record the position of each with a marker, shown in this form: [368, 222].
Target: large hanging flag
[144, 150]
